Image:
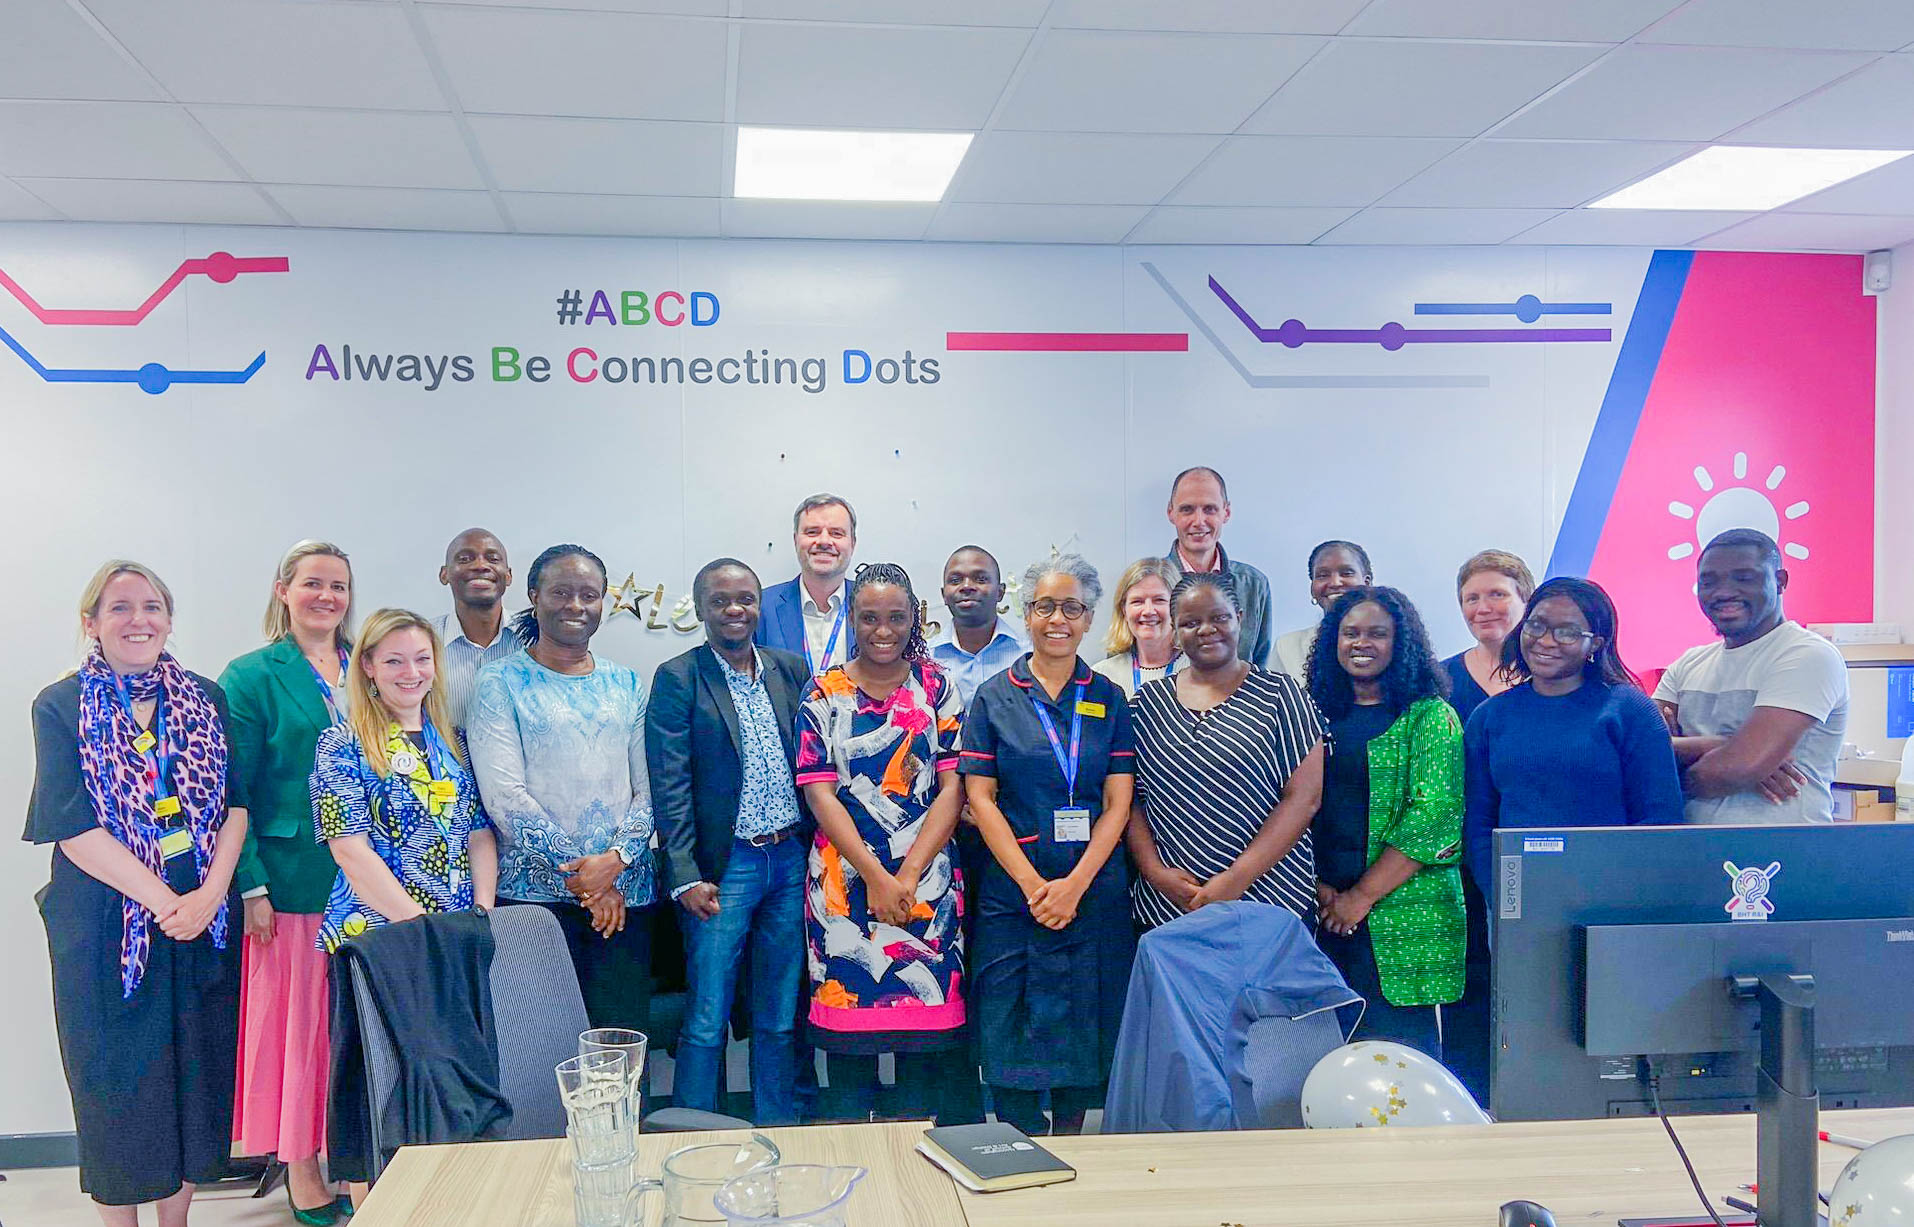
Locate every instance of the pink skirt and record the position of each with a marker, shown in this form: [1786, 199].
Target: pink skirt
[279, 1106]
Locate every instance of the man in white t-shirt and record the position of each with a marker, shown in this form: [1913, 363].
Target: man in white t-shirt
[1757, 718]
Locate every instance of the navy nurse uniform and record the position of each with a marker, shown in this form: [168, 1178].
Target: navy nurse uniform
[1050, 1001]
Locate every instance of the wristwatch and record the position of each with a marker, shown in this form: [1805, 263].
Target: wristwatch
[624, 854]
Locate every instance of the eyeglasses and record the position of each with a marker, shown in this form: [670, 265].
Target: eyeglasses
[1567, 636]
[1071, 610]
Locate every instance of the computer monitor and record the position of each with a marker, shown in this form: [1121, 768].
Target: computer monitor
[1614, 949]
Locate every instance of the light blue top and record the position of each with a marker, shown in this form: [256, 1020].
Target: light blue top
[767, 797]
[560, 761]
[968, 671]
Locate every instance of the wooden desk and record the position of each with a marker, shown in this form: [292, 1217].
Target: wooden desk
[529, 1184]
[1586, 1172]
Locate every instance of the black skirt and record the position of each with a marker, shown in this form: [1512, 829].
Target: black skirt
[151, 1075]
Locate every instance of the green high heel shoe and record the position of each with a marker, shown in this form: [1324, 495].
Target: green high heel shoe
[320, 1216]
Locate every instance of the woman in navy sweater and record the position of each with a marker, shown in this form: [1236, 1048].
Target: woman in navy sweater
[1575, 742]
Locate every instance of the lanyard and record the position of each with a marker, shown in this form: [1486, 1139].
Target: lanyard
[1136, 670]
[1067, 765]
[158, 759]
[438, 764]
[325, 687]
[830, 645]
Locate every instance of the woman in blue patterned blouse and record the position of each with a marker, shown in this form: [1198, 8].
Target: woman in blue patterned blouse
[392, 798]
[557, 736]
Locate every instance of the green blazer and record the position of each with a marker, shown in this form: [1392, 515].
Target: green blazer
[1415, 806]
[276, 717]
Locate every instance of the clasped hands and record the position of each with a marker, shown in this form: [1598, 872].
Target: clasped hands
[1053, 902]
[186, 916]
[1343, 911]
[593, 881]
[1188, 892]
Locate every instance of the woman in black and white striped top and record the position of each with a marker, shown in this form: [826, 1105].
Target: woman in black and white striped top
[1229, 772]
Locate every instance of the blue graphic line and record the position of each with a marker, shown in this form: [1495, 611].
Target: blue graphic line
[152, 378]
[1527, 308]
[1304, 381]
[1621, 413]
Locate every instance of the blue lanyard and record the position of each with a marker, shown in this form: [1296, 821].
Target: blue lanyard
[1136, 670]
[158, 761]
[1067, 765]
[438, 760]
[830, 644]
[325, 687]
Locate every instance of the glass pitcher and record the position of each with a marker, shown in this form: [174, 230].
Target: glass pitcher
[694, 1174]
[794, 1195]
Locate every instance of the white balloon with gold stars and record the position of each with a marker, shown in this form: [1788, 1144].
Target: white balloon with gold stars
[1876, 1187]
[1376, 1083]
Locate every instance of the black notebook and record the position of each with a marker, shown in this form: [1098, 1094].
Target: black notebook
[992, 1158]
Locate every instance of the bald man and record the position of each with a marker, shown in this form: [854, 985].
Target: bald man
[474, 633]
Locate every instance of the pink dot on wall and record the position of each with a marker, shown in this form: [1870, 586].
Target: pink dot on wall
[222, 267]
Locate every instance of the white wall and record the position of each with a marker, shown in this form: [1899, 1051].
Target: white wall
[1020, 452]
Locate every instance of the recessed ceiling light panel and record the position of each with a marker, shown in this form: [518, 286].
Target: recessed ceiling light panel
[1747, 178]
[801, 164]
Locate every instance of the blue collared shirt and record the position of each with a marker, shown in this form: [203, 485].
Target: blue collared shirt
[969, 671]
[458, 672]
[767, 797]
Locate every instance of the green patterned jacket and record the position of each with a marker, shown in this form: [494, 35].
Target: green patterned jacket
[1415, 806]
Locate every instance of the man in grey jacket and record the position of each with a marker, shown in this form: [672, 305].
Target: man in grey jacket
[1199, 507]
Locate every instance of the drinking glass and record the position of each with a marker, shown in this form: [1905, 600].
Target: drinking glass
[596, 1091]
[633, 1044]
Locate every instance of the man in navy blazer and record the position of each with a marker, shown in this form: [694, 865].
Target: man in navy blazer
[808, 615]
[720, 742]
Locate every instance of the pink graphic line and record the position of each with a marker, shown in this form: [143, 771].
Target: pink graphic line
[1070, 342]
[220, 266]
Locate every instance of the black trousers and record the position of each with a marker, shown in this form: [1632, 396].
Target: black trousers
[929, 1086]
[151, 1075]
[1467, 1034]
[1024, 1109]
[1417, 1026]
[614, 973]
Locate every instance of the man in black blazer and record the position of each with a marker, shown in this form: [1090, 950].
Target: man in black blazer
[720, 740]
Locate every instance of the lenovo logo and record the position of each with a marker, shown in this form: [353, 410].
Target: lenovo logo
[1900, 935]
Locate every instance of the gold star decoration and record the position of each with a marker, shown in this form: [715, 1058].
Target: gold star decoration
[621, 595]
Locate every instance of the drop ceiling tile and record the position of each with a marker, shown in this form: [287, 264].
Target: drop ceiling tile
[244, 51]
[387, 208]
[564, 213]
[1678, 93]
[1434, 227]
[520, 62]
[1174, 224]
[1608, 21]
[822, 219]
[1814, 232]
[627, 157]
[1629, 227]
[106, 140]
[1027, 223]
[1873, 109]
[19, 205]
[349, 148]
[1888, 191]
[49, 52]
[1025, 13]
[1403, 87]
[681, 8]
[1850, 25]
[1216, 16]
[1533, 174]
[832, 76]
[1307, 170]
[156, 200]
[1101, 81]
[1076, 167]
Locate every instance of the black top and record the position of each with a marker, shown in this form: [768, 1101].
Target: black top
[1465, 693]
[61, 807]
[1342, 824]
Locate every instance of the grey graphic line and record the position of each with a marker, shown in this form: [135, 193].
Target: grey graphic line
[1308, 381]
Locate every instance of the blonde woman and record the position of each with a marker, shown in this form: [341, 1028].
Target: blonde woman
[282, 696]
[130, 786]
[1141, 642]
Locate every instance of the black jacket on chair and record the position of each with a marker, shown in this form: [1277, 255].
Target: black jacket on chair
[694, 751]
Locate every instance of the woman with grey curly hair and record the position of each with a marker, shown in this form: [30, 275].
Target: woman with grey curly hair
[1048, 759]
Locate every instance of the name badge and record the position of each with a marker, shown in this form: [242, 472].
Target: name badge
[1071, 825]
[165, 807]
[1092, 710]
[144, 743]
[174, 841]
[443, 792]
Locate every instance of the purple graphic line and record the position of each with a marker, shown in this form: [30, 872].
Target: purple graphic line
[1392, 336]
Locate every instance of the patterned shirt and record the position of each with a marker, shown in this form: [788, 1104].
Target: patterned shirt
[560, 760]
[767, 798]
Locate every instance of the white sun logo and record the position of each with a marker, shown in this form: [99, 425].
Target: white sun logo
[1738, 506]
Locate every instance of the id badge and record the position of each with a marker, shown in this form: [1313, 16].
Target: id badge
[1071, 825]
[165, 807]
[174, 841]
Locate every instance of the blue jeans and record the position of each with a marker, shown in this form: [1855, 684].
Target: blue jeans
[760, 900]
